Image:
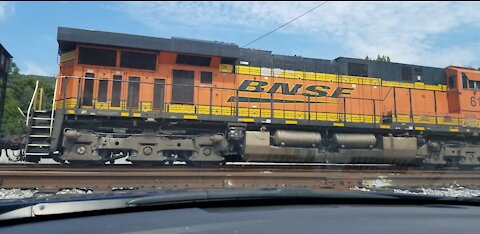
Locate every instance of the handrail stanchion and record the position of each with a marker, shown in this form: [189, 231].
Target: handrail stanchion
[236, 102]
[309, 112]
[211, 99]
[79, 101]
[64, 84]
[32, 101]
[53, 105]
[271, 106]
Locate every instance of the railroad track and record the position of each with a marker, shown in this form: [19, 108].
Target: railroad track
[345, 166]
[51, 178]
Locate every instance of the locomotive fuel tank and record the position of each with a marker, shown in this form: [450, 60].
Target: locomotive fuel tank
[354, 141]
[292, 146]
[258, 148]
[296, 138]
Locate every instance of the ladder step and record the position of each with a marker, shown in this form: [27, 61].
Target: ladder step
[42, 111]
[44, 115]
[41, 118]
[38, 150]
[36, 154]
[38, 145]
[39, 136]
[39, 131]
[36, 126]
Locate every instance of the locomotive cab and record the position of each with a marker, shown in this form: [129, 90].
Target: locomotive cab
[463, 96]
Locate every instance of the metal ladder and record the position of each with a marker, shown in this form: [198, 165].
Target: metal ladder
[39, 128]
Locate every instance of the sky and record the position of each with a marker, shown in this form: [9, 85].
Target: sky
[435, 34]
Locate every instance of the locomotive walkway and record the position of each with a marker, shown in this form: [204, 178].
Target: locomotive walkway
[51, 178]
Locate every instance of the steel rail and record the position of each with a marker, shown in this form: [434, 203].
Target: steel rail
[51, 179]
[272, 166]
[281, 168]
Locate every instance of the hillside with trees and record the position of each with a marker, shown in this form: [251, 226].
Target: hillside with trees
[20, 88]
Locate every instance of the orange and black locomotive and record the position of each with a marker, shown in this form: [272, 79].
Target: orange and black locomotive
[157, 101]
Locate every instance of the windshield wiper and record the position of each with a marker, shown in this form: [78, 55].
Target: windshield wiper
[65, 207]
[251, 194]
[288, 195]
[293, 194]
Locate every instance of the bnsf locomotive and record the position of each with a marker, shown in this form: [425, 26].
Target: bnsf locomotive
[157, 101]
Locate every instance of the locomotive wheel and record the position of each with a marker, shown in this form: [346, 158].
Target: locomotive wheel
[145, 164]
[204, 163]
[57, 158]
[433, 167]
[466, 167]
[32, 159]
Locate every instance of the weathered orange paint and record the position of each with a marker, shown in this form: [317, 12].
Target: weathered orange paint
[361, 99]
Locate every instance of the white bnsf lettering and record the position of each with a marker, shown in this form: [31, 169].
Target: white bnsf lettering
[287, 89]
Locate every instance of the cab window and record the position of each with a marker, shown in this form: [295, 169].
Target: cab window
[451, 81]
[464, 81]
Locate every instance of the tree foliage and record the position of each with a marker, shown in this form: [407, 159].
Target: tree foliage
[382, 58]
[19, 92]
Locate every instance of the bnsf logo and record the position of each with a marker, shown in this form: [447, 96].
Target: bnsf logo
[284, 88]
[312, 90]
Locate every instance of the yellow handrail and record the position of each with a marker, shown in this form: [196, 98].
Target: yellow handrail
[40, 100]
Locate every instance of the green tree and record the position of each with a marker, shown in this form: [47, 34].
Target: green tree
[382, 58]
[19, 91]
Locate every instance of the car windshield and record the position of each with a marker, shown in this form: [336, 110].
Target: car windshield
[138, 98]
